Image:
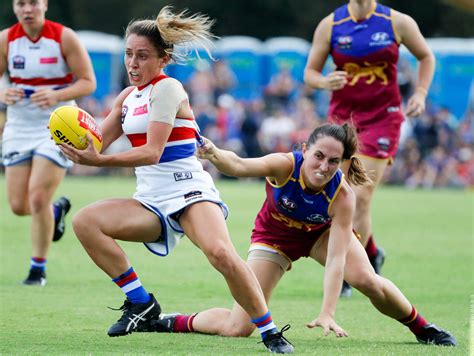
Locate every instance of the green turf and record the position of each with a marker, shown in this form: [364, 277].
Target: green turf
[427, 236]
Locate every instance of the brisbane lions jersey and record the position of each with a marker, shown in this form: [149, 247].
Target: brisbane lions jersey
[368, 51]
[290, 209]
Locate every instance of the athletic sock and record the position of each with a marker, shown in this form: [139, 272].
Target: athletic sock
[38, 264]
[370, 248]
[265, 325]
[132, 287]
[184, 323]
[415, 322]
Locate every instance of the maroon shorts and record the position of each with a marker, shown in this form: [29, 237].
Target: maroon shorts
[288, 244]
[380, 138]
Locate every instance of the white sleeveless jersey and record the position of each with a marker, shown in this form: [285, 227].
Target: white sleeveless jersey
[177, 180]
[178, 167]
[34, 65]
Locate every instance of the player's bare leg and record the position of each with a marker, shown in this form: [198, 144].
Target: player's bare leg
[383, 294]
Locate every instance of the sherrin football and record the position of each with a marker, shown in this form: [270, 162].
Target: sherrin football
[69, 124]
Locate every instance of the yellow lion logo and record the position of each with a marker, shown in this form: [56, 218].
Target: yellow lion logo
[372, 71]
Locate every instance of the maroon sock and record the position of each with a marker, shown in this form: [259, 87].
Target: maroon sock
[184, 324]
[371, 249]
[415, 322]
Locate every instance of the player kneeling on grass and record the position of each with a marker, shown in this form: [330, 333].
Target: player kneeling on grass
[174, 196]
[308, 212]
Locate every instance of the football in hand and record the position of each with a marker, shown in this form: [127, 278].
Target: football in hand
[69, 124]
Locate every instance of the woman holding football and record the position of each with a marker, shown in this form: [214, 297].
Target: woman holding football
[174, 195]
[48, 67]
[363, 38]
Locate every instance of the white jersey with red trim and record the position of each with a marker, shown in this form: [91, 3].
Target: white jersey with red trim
[33, 65]
[178, 166]
[178, 179]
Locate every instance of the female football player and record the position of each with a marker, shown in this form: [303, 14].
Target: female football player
[48, 67]
[174, 195]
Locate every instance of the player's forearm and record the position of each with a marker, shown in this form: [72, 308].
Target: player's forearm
[426, 68]
[226, 162]
[315, 79]
[333, 277]
[138, 156]
[82, 87]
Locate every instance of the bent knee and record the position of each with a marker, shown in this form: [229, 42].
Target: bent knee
[222, 257]
[368, 284]
[83, 223]
[19, 208]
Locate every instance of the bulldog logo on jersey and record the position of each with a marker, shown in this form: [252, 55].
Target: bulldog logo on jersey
[124, 113]
[19, 62]
[344, 42]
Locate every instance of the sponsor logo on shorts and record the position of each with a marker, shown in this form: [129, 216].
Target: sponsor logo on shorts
[384, 143]
[393, 109]
[316, 219]
[19, 62]
[11, 155]
[195, 194]
[286, 203]
[124, 113]
[182, 176]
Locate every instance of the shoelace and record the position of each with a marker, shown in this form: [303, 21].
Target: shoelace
[280, 334]
[125, 306]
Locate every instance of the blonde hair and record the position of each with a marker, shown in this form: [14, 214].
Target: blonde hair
[169, 29]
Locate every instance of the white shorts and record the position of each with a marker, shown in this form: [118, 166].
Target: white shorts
[170, 209]
[18, 150]
[26, 134]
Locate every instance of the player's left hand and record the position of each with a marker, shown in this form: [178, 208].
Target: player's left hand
[89, 156]
[327, 324]
[207, 150]
[45, 98]
[416, 105]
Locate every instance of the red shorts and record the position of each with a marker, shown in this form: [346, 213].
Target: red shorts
[288, 243]
[380, 138]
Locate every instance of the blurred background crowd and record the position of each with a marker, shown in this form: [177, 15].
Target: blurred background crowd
[436, 149]
[252, 99]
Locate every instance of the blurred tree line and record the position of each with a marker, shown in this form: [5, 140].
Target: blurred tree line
[258, 18]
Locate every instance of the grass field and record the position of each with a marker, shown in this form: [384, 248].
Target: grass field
[427, 235]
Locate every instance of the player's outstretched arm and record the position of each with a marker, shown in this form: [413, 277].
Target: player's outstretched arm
[277, 165]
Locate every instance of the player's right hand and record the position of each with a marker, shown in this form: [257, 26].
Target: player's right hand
[10, 96]
[328, 324]
[336, 80]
